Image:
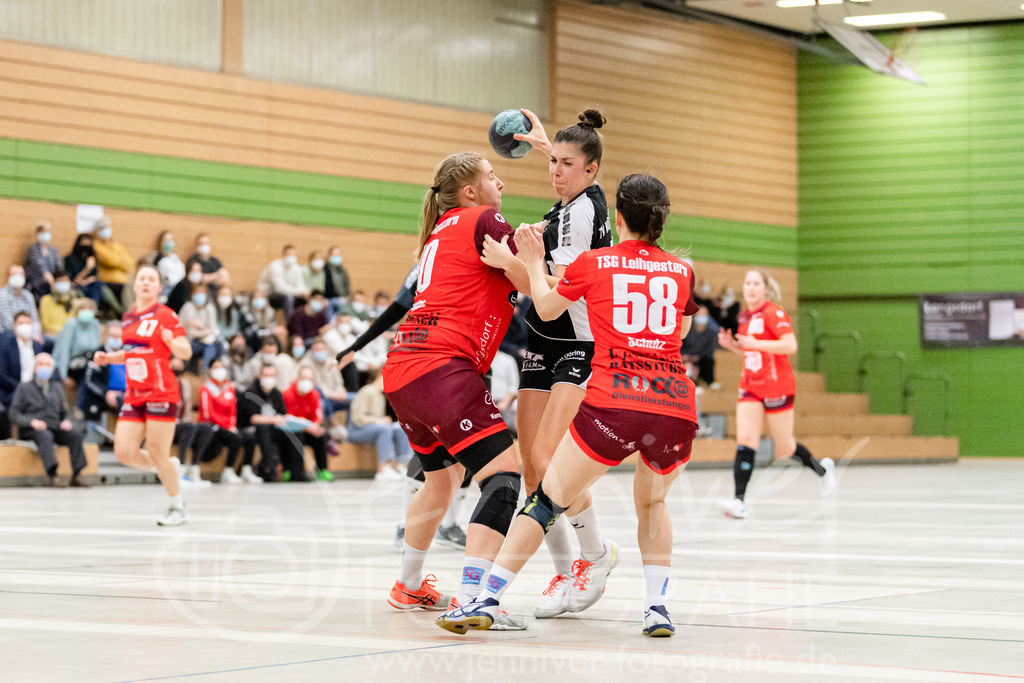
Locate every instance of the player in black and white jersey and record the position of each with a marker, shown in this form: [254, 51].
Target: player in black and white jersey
[558, 353]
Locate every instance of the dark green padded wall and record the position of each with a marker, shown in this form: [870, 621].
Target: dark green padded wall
[905, 190]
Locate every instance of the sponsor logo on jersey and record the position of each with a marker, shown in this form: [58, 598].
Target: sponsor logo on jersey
[606, 430]
[495, 416]
[668, 386]
[756, 326]
[466, 425]
[654, 344]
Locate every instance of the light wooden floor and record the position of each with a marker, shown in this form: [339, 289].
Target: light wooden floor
[910, 574]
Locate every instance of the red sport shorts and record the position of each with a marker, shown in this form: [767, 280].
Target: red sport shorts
[609, 435]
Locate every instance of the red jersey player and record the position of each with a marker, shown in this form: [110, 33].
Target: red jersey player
[639, 399]
[765, 339]
[151, 333]
[433, 378]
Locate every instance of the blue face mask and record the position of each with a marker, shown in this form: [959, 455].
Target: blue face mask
[700, 319]
[44, 372]
[113, 344]
[320, 356]
[259, 304]
[45, 237]
[87, 315]
[297, 351]
[199, 299]
[334, 260]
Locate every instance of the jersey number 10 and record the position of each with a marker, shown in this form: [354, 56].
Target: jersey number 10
[633, 311]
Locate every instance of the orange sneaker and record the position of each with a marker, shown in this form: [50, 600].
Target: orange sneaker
[426, 597]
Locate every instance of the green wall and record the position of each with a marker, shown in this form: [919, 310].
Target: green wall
[905, 190]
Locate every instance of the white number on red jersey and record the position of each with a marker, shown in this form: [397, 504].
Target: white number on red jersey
[147, 327]
[427, 265]
[633, 312]
[752, 360]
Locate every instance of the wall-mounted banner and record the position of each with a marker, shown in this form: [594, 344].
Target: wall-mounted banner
[971, 320]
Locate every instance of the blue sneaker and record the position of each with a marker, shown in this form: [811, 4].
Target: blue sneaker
[478, 614]
[657, 623]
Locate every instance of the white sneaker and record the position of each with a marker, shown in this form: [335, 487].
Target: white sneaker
[589, 578]
[173, 517]
[503, 621]
[555, 598]
[250, 477]
[828, 480]
[228, 476]
[657, 623]
[734, 508]
[195, 476]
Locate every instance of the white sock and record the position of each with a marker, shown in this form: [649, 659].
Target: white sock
[656, 577]
[412, 566]
[452, 516]
[473, 575]
[177, 502]
[589, 534]
[497, 583]
[557, 541]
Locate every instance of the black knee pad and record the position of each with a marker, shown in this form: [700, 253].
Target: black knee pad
[499, 494]
[542, 509]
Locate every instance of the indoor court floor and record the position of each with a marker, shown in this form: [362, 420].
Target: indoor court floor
[911, 573]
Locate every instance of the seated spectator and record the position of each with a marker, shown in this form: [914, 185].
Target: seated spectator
[326, 377]
[218, 406]
[229, 314]
[42, 261]
[15, 298]
[199, 318]
[181, 293]
[336, 280]
[40, 408]
[307, 321]
[356, 307]
[699, 347]
[369, 422]
[283, 279]
[261, 416]
[77, 342]
[298, 346]
[215, 275]
[262, 315]
[191, 438]
[59, 306]
[338, 338]
[302, 401]
[381, 301]
[270, 354]
[505, 388]
[18, 350]
[314, 274]
[702, 294]
[167, 262]
[725, 310]
[113, 263]
[80, 264]
[236, 361]
[101, 391]
[371, 357]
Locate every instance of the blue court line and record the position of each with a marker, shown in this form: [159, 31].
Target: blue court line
[308, 661]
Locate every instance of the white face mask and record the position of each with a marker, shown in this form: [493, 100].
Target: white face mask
[23, 330]
[268, 357]
[62, 287]
[203, 249]
[291, 259]
[106, 233]
[195, 277]
[268, 383]
[358, 306]
[16, 281]
[224, 301]
[305, 386]
[219, 374]
[317, 264]
[45, 237]
[345, 328]
[259, 303]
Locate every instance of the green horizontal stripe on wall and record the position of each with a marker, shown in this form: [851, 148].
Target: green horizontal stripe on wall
[81, 175]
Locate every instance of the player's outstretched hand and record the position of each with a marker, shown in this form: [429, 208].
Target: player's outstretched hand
[497, 254]
[726, 340]
[529, 244]
[536, 137]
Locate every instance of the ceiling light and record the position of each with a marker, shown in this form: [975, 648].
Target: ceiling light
[903, 18]
[810, 3]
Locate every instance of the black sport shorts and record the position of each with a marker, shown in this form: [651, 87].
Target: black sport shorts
[550, 361]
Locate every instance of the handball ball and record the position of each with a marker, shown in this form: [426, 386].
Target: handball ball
[503, 127]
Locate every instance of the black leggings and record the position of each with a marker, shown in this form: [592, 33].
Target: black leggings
[223, 438]
[272, 442]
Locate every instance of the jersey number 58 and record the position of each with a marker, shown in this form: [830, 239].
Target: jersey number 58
[632, 309]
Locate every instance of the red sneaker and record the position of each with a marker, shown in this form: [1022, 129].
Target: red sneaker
[425, 597]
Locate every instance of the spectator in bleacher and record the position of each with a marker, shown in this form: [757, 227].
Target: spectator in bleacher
[191, 437]
[182, 292]
[241, 372]
[356, 306]
[102, 389]
[505, 387]
[215, 275]
[283, 279]
[337, 285]
[725, 309]
[167, 261]
[699, 347]
[80, 264]
[262, 315]
[372, 356]
[381, 301]
[15, 298]
[702, 294]
[301, 400]
[40, 409]
[42, 261]
[298, 346]
[307, 321]
[229, 316]
[261, 416]
[59, 306]
[113, 262]
[369, 422]
[77, 341]
[270, 354]
[199, 318]
[340, 337]
[218, 406]
[18, 350]
[327, 379]
[314, 273]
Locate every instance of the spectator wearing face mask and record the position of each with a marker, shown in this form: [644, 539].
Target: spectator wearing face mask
[40, 409]
[725, 309]
[80, 264]
[101, 391]
[218, 406]
[59, 306]
[77, 341]
[270, 354]
[42, 261]
[229, 314]
[182, 292]
[199, 318]
[15, 298]
[236, 361]
[302, 401]
[215, 274]
[356, 306]
[167, 261]
[327, 379]
[699, 347]
[341, 337]
[314, 273]
[262, 315]
[113, 263]
[18, 350]
[261, 417]
[336, 282]
[306, 322]
[284, 280]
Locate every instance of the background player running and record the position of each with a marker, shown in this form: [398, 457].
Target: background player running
[558, 352]
[765, 339]
[433, 379]
[638, 399]
[151, 334]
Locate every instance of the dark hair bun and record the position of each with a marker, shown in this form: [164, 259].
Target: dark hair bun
[591, 118]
